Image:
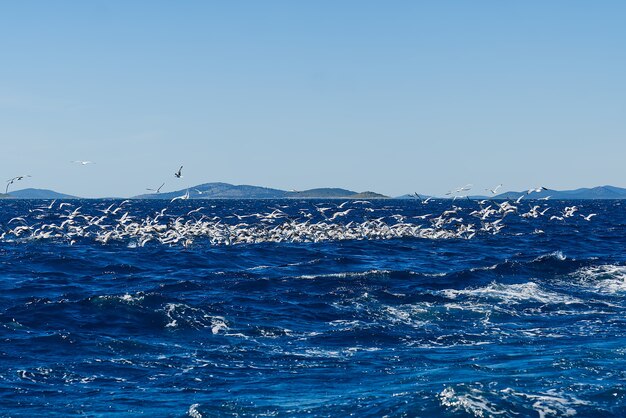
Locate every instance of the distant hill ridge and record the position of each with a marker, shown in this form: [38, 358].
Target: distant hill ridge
[599, 192]
[230, 191]
[38, 194]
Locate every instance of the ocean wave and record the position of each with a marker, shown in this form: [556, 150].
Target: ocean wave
[512, 294]
[509, 324]
[180, 315]
[344, 275]
[481, 401]
[608, 278]
[549, 403]
[472, 401]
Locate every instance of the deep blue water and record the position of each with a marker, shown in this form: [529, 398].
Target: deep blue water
[527, 322]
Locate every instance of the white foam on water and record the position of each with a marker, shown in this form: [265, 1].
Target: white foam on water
[276, 333]
[473, 403]
[342, 275]
[558, 255]
[218, 324]
[346, 325]
[403, 314]
[606, 278]
[193, 411]
[549, 403]
[479, 308]
[126, 298]
[512, 294]
[492, 267]
[262, 267]
[177, 313]
[352, 350]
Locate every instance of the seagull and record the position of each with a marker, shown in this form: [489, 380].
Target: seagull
[157, 190]
[13, 180]
[495, 189]
[465, 188]
[424, 201]
[536, 190]
[588, 217]
[183, 197]
[83, 162]
[338, 214]
[179, 173]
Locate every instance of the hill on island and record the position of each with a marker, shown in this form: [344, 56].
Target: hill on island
[230, 191]
[38, 194]
[600, 193]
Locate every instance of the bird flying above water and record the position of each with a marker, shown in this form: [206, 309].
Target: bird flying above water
[13, 180]
[157, 190]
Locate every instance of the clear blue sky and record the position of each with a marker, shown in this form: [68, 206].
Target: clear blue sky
[394, 97]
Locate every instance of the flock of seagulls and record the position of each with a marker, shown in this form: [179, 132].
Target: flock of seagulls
[297, 222]
[328, 222]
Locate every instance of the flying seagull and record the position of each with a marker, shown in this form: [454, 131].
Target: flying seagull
[183, 197]
[13, 180]
[156, 190]
[495, 189]
[424, 201]
[536, 190]
[179, 173]
[588, 217]
[83, 162]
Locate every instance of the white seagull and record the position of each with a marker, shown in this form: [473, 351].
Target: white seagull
[588, 217]
[183, 197]
[157, 190]
[13, 180]
[495, 189]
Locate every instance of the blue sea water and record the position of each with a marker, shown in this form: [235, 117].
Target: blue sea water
[526, 322]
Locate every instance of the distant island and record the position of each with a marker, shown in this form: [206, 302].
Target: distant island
[37, 194]
[599, 193]
[230, 191]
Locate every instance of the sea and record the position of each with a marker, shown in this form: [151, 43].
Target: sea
[98, 318]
